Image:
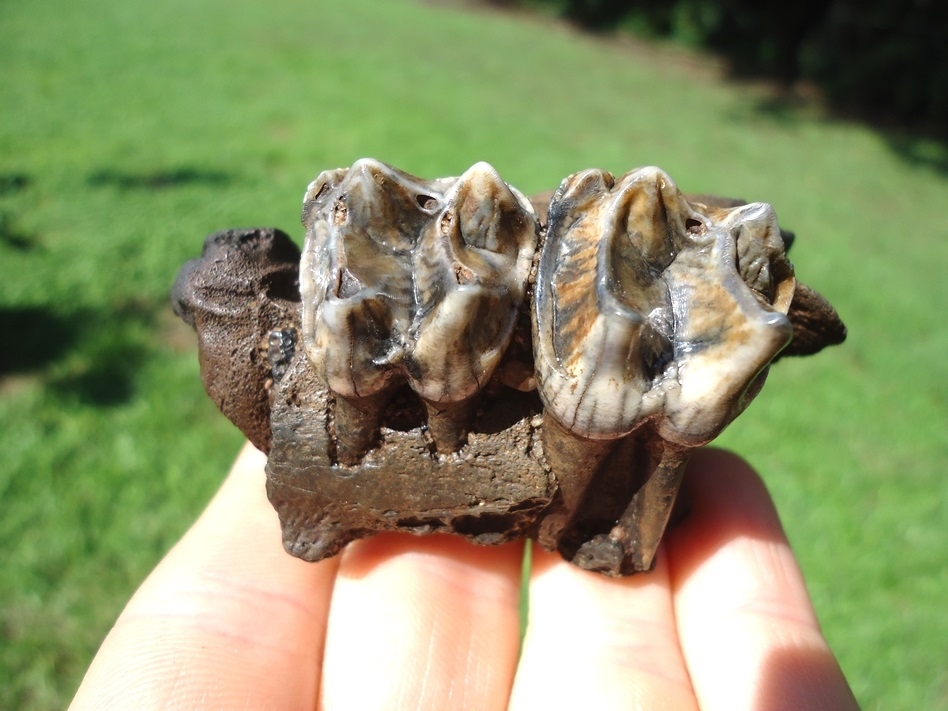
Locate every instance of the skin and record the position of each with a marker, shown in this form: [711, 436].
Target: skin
[228, 620]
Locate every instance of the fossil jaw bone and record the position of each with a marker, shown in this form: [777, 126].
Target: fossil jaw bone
[703, 282]
[406, 280]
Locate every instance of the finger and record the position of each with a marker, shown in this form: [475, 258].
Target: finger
[748, 629]
[423, 623]
[227, 619]
[600, 643]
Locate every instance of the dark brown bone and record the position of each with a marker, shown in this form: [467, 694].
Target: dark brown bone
[244, 287]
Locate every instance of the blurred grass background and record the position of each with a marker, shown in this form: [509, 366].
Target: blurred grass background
[130, 130]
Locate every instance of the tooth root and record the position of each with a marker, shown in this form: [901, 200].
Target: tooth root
[574, 461]
[357, 423]
[631, 545]
[641, 526]
[448, 423]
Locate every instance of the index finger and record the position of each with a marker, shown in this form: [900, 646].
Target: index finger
[226, 619]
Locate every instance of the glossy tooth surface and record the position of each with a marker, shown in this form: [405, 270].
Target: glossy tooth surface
[649, 308]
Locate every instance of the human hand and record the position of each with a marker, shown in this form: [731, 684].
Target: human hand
[229, 620]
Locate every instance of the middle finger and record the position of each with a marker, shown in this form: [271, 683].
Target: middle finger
[601, 643]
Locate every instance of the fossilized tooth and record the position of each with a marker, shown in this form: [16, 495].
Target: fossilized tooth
[355, 283]
[355, 275]
[405, 279]
[647, 309]
[602, 320]
[471, 269]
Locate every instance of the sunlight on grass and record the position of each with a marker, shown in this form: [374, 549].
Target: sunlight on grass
[130, 130]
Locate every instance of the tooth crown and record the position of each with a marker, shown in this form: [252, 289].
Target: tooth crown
[410, 280]
[649, 308]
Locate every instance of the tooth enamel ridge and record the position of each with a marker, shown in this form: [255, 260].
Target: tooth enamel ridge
[458, 358]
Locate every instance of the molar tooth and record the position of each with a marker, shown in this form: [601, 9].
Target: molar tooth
[471, 269]
[647, 309]
[594, 288]
[355, 281]
[405, 279]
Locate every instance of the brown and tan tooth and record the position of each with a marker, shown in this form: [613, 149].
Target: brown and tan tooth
[471, 267]
[404, 279]
[602, 314]
[732, 289]
[356, 287]
[651, 310]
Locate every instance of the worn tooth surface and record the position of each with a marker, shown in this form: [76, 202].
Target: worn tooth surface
[471, 269]
[355, 278]
[406, 279]
[646, 307]
[602, 315]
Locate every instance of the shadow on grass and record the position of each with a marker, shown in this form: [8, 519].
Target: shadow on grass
[108, 381]
[88, 356]
[158, 179]
[772, 54]
[12, 236]
[916, 148]
[919, 151]
[10, 233]
[33, 338]
[11, 183]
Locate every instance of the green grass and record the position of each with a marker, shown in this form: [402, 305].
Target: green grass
[130, 130]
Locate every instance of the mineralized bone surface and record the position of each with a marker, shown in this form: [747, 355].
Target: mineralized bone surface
[449, 356]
